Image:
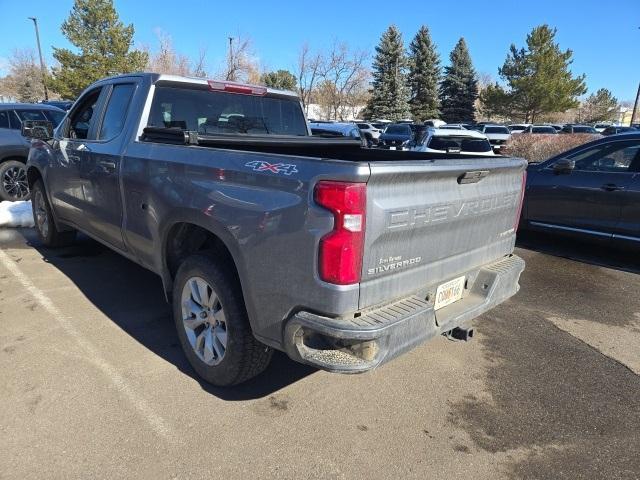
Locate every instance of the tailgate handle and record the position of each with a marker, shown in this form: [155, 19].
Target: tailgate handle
[472, 177]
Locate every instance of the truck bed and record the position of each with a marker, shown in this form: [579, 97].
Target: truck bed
[317, 147]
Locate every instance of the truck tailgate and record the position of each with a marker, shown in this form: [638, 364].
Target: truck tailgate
[431, 221]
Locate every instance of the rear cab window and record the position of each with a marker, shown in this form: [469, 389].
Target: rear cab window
[211, 112]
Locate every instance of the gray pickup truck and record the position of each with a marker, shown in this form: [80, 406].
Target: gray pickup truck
[269, 238]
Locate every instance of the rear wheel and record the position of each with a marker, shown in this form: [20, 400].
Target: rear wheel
[48, 233]
[13, 181]
[212, 323]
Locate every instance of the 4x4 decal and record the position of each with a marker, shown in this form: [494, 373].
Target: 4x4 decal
[262, 166]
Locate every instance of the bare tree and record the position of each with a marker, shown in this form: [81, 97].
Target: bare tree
[241, 63]
[344, 81]
[200, 66]
[336, 80]
[308, 73]
[24, 81]
[167, 60]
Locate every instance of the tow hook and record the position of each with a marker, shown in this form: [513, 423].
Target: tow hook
[460, 333]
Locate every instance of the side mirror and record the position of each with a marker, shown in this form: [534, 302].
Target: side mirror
[40, 129]
[564, 165]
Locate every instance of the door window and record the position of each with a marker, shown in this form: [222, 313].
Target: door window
[4, 119]
[611, 158]
[116, 112]
[84, 117]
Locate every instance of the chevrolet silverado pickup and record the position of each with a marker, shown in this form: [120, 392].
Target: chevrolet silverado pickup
[266, 237]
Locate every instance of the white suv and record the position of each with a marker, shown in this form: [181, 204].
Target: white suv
[371, 133]
[447, 140]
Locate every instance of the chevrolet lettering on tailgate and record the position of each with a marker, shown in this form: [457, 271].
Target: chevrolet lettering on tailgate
[450, 211]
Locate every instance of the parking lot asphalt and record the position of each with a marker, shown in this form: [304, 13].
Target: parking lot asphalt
[94, 384]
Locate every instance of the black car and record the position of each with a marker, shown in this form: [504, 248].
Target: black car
[578, 129]
[397, 136]
[613, 130]
[592, 191]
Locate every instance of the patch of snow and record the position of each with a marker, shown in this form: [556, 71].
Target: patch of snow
[16, 214]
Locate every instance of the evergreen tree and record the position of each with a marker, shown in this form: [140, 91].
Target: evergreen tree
[103, 42]
[389, 95]
[424, 76]
[539, 78]
[459, 88]
[599, 106]
[281, 79]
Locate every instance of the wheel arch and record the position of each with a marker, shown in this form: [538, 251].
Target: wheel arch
[188, 235]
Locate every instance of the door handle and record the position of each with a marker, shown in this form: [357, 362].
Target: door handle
[108, 165]
[611, 187]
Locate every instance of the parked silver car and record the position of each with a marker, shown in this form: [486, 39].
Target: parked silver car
[14, 148]
[498, 135]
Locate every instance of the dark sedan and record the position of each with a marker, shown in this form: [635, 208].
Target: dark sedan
[615, 129]
[592, 191]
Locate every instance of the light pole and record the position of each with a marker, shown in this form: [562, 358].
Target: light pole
[42, 67]
[635, 106]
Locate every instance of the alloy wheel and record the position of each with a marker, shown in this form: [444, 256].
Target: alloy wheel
[42, 217]
[204, 320]
[14, 182]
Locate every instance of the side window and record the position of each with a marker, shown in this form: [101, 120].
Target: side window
[14, 121]
[83, 117]
[614, 157]
[4, 119]
[116, 112]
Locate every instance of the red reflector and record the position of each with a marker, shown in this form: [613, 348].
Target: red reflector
[340, 259]
[237, 88]
[524, 184]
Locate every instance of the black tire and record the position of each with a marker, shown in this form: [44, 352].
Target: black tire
[46, 228]
[13, 181]
[244, 356]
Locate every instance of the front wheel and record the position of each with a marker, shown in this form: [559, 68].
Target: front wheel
[13, 181]
[48, 233]
[212, 324]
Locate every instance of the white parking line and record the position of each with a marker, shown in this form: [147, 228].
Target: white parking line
[156, 422]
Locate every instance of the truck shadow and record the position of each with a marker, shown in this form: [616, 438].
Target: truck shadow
[579, 250]
[132, 297]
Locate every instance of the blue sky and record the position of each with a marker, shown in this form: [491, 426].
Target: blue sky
[604, 36]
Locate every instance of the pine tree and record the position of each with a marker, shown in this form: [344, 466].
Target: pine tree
[539, 78]
[389, 95]
[281, 79]
[459, 89]
[424, 76]
[104, 43]
[599, 106]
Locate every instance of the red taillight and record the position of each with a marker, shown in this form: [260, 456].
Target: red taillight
[237, 88]
[340, 259]
[524, 184]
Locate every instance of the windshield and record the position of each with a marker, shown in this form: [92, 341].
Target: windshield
[543, 130]
[225, 113]
[517, 128]
[503, 130]
[54, 116]
[460, 144]
[398, 130]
